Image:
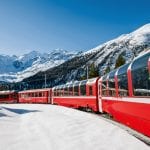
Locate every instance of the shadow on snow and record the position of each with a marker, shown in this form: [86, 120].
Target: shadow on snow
[17, 111]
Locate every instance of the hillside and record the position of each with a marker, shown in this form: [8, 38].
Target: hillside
[32, 70]
[103, 57]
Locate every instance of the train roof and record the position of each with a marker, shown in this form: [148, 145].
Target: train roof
[35, 90]
[88, 81]
[7, 92]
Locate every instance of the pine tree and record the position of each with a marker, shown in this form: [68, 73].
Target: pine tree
[120, 61]
[93, 71]
[107, 70]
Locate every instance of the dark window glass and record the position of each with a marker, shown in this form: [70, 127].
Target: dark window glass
[140, 76]
[40, 94]
[29, 94]
[71, 89]
[55, 91]
[90, 90]
[4, 96]
[104, 86]
[61, 92]
[32, 94]
[83, 89]
[111, 83]
[66, 92]
[123, 81]
[76, 88]
[58, 92]
[14, 95]
[36, 94]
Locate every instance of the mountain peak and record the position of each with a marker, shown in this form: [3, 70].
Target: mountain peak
[144, 29]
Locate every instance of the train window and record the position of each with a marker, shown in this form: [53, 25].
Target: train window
[58, 92]
[71, 89]
[55, 91]
[24, 95]
[141, 76]
[4, 96]
[104, 85]
[61, 91]
[123, 81]
[76, 89]
[90, 90]
[111, 83]
[21, 95]
[36, 94]
[40, 94]
[14, 95]
[32, 94]
[29, 94]
[83, 90]
[66, 91]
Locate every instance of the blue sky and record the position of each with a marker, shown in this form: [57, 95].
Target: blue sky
[45, 25]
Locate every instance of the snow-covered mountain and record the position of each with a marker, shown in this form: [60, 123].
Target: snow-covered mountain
[71, 66]
[127, 45]
[15, 68]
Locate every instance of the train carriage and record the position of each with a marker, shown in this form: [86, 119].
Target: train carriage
[81, 95]
[8, 97]
[125, 94]
[35, 96]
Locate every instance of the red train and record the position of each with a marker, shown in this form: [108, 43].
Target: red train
[123, 93]
[8, 97]
[81, 95]
[35, 96]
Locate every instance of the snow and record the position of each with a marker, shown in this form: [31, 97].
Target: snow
[16, 68]
[139, 36]
[49, 127]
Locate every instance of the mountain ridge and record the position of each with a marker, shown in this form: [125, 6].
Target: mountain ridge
[103, 56]
[13, 68]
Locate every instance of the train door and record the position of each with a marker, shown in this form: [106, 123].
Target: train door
[100, 95]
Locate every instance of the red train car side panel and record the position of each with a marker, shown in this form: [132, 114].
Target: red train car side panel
[77, 102]
[81, 94]
[35, 96]
[133, 112]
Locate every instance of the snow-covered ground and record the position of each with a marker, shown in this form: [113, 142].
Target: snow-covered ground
[47, 127]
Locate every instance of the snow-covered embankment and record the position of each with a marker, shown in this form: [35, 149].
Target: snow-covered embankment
[47, 127]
